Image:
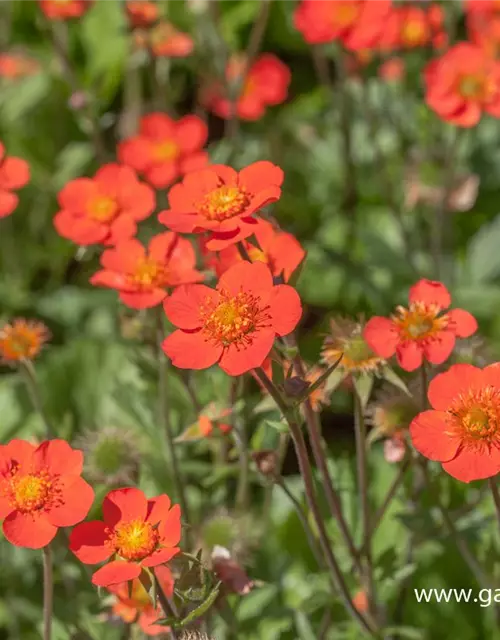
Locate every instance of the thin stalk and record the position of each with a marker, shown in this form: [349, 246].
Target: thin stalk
[29, 375]
[381, 511]
[337, 578]
[318, 449]
[48, 593]
[362, 477]
[167, 606]
[496, 496]
[165, 418]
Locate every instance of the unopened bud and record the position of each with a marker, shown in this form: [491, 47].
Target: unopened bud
[295, 387]
[266, 461]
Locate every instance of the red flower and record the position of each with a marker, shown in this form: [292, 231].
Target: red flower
[103, 209]
[134, 604]
[280, 250]
[483, 27]
[64, 9]
[41, 490]
[462, 84]
[136, 531]
[235, 324]
[358, 24]
[463, 428]
[14, 174]
[166, 149]
[22, 340]
[167, 41]
[392, 69]
[425, 330]
[142, 13]
[409, 27]
[142, 277]
[265, 84]
[221, 200]
[17, 65]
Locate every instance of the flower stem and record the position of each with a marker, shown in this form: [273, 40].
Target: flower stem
[48, 593]
[336, 576]
[28, 373]
[496, 496]
[362, 476]
[167, 606]
[165, 417]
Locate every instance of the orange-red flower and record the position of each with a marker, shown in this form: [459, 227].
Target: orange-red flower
[103, 209]
[165, 40]
[165, 149]
[142, 13]
[14, 174]
[41, 490]
[409, 27]
[136, 531]
[424, 330]
[235, 324]
[265, 84]
[17, 65]
[462, 431]
[358, 24]
[392, 69]
[22, 340]
[280, 250]
[462, 84]
[133, 603]
[64, 9]
[143, 277]
[223, 201]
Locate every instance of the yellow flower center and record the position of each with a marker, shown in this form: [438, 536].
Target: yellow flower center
[21, 340]
[134, 540]
[103, 209]
[257, 255]
[233, 318]
[346, 13]
[420, 322]
[413, 32]
[149, 273]
[166, 150]
[223, 203]
[475, 417]
[29, 492]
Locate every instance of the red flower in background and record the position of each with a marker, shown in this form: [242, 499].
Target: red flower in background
[141, 277]
[14, 174]
[137, 532]
[392, 69]
[280, 250]
[167, 41]
[165, 149]
[41, 490]
[424, 330]
[22, 340]
[134, 603]
[266, 84]
[103, 209]
[463, 429]
[358, 24]
[409, 27]
[16, 65]
[462, 84]
[222, 201]
[235, 324]
[142, 13]
[64, 9]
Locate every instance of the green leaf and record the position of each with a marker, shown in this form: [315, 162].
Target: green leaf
[410, 633]
[363, 382]
[391, 376]
[482, 262]
[279, 425]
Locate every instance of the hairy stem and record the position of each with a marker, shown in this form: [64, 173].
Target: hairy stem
[48, 593]
[29, 375]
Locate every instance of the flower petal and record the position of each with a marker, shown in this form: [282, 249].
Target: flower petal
[471, 464]
[76, 499]
[123, 505]
[285, 309]
[461, 322]
[166, 579]
[182, 308]
[381, 336]
[30, 530]
[115, 572]
[409, 355]
[170, 527]
[237, 360]
[191, 350]
[143, 299]
[430, 292]
[447, 386]
[255, 278]
[58, 457]
[439, 348]
[429, 435]
[260, 175]
[160, 556]
[158, 508]
[88, 542]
